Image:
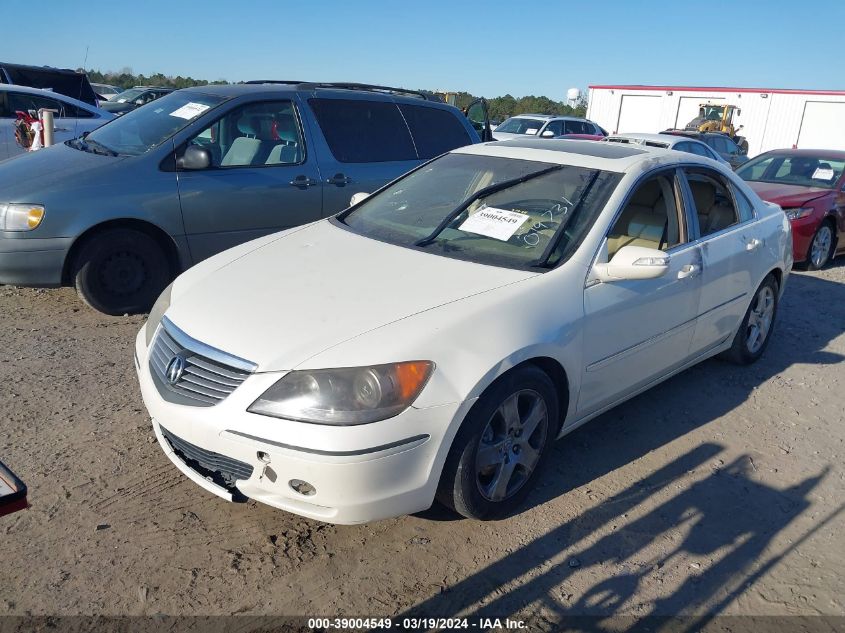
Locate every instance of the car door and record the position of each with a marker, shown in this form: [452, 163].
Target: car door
[638, 330]
[361, 143]
[723, 226]
[263, 177]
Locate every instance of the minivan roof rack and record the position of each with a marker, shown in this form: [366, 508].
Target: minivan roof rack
[348, 86]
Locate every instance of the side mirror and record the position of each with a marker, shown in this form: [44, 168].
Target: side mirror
[633, 262]
[358, 197]
[547, 133]
[139, 102]
[195, 157]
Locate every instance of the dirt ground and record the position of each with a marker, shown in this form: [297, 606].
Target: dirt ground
[719, 492]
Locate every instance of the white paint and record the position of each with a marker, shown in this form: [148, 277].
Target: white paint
[638, 113]
[823, 126]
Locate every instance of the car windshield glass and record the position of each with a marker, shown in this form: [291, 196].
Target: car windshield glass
[512, 213]
[516, 125]
[803, 170]
[129, 95]
[142, 129]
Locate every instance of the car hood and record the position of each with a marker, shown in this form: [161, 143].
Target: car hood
[114, 106]
[27, 177]
[787, 196]
[292, 297]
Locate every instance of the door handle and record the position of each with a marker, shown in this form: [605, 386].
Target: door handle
[339, 179]
[303, 182]
[688, 271]
[753, 244]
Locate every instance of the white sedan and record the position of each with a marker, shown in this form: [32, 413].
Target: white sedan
[432, 340]
[668, 141]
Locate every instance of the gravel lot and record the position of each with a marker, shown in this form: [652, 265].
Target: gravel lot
[720, 491]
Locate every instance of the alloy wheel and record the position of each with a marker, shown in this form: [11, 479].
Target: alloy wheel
[820, 248]
[510, 445]
[760, 319]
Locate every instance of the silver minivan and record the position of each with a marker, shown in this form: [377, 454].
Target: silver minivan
[121, 211]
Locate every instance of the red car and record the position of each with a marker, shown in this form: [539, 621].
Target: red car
[810, 186]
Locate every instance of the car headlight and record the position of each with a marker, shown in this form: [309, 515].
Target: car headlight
[347, 396]
[798, 213]
[157, 311]
[20, 217]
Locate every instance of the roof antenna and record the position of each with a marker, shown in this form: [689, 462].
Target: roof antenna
[85, 70]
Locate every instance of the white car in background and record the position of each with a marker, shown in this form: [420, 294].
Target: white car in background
[432, 340]
[106, 91]
[669, 141]
[544, 126]
[71, 120]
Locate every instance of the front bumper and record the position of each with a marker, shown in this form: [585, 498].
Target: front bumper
[803, 230]
[359, 474]
[36, 262]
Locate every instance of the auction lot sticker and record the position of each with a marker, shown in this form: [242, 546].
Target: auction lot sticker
[499, 224]
[190, 110]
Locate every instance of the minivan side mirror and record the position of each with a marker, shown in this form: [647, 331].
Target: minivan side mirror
[195, 157]
[358, 197]
[633, 262]
[547, 133]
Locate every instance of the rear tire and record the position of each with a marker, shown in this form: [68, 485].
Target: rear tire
[820, 251]
[502, 446]
[755, 331]
[120, 271]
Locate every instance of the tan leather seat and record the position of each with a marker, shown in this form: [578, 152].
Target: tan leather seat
[642, 221]
[712, 216]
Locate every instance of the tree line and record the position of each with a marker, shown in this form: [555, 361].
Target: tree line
[500, 107]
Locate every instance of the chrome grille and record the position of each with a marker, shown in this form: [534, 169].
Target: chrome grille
[208, 374]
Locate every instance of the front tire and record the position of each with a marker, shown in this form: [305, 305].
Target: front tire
[821, 247]
[755, 331]
[502, 446]
[120, 271]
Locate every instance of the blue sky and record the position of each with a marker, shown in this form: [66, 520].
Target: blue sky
[487, 48]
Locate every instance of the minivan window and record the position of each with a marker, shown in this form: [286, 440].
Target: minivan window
[361, 131]
[517, 125]
[142, 129]
[257, 134]
[435, 130]
[552, 209]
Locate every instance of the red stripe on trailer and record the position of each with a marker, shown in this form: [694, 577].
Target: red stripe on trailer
[787, 91]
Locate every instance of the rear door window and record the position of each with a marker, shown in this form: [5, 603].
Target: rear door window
[360, 131]
[435, 130]
[23, 102]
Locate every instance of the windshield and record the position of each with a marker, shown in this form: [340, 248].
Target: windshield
[786, 169]
[516, 125]
[129, 95]
[147, 127]
[537, 222]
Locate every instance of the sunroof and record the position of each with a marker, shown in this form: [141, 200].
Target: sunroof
[585, 148]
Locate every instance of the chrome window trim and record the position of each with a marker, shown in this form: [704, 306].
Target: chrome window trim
[198, 347]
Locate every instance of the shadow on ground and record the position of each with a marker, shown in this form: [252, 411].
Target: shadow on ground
[728, 517]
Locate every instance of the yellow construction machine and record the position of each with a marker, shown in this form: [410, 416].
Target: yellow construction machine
[717, 117]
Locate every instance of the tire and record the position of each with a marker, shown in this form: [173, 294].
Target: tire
[120, 271]
[821, 246]
[759, 319]
[469, 487]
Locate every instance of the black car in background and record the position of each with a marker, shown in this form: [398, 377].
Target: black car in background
[134, 97]
[722, 144]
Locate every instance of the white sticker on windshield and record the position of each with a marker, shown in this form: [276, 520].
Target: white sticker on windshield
[823, 174]
[499, 224]
[531, 130]
[190, 110]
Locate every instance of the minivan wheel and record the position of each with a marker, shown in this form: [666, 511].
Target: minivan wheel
[120, 271]
[755, 331]
[821, 247]
[502, 446]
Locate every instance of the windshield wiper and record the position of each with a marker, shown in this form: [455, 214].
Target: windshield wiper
[481, 193]
[543, 260]
[99, 148]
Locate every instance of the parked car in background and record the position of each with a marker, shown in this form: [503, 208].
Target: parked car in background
[722, 144]
[576, 280]
[72, 117]
[133, 98]
[669, 141]
[119, 213]
[545, 125]
[105, 91]
[63, 81]
[809, 185]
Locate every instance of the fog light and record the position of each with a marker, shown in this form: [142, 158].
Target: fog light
[302, 487]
